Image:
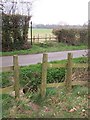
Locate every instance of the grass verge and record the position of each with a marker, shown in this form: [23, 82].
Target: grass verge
[45, 47]
[57, 104]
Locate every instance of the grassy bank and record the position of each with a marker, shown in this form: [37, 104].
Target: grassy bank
[45, 47]
[57, 104]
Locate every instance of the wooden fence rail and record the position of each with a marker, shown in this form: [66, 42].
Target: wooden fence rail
[68, 80]
[38, 38]
[15, 69]
[45, 65]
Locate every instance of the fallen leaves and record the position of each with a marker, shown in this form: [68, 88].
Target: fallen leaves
[89, 97]
[72, 110]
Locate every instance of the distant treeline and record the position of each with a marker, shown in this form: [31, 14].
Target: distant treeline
[53, 26]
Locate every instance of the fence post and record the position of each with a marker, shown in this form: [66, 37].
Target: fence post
[31, 32]
[16, 76]
[38, 38]
[69, 73]
[44, 75]
[49, 37]
[45, 37]
[33, 39]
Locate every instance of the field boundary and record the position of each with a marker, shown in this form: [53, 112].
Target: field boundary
[38, 38]
[68, 77]
[45, 65]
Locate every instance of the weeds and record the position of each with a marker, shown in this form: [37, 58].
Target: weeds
[57, 103]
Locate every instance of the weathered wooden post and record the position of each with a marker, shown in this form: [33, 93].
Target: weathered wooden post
[38, 38]
[69, 73]
[45, 37]
[44, 75]
[49, 37]
[16, 76]
[34, 39]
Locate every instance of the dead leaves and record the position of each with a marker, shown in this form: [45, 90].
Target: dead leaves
[72, 110]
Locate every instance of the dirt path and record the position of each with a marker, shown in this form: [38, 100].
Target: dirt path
[37, 58]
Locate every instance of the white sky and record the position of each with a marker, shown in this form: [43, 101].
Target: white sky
[60, 12]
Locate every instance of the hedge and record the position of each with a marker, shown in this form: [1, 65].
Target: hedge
[14, 32]
[71, 36]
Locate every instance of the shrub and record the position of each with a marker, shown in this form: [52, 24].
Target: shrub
[84, 36]
[32, 76]
[15, 32]
[71, 36]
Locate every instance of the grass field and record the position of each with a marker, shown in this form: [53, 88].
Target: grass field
[41, 32]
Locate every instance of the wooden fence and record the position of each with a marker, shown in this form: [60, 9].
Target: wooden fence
[15, 69]
[45, 65]
[38, 38]
[68, 80]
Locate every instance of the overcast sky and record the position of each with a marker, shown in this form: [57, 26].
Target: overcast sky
[60, 12]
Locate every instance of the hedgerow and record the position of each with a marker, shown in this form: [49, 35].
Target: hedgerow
[15, 32]
[71, 36]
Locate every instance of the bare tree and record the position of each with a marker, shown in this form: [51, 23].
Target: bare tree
[22, 7]
[13, 7]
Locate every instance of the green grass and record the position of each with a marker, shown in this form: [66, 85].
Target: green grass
[7, 103]
[41, 32]
[47, 47]
[57, 103]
